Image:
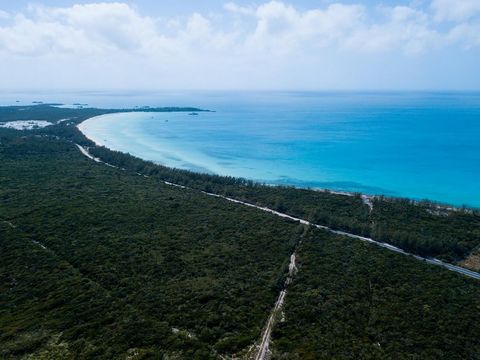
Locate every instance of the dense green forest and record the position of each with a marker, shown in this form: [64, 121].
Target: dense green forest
[352, 301]
[177, 258]
[423, 229]
[103, 263]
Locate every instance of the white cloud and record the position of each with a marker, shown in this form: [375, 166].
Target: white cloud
[4, 15]
[115, 24]
[404, 29]
[265, 40]
[281, 29]
[272, 27]
[90, 28]
[237, 9]
[466, 34]
[455, 10]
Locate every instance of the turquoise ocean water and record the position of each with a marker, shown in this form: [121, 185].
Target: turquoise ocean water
[416, 145]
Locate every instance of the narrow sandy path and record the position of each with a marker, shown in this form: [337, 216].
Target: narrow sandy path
[9, 224]
[264, 347]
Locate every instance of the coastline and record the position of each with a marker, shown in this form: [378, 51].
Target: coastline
[171, 155]
[436, 206]
[365, 197]
[292, 268]
[81, 128]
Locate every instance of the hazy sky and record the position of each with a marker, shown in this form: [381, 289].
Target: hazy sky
[213, 44]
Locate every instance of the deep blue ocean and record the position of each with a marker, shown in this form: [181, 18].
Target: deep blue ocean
[423, 145]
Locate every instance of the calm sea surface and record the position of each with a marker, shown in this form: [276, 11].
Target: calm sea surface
[416, 145]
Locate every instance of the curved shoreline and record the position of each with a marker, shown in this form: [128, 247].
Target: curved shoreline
[81, 128]
[366, 198]
[393, 248]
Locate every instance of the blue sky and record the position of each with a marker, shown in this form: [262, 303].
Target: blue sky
[214, 44]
